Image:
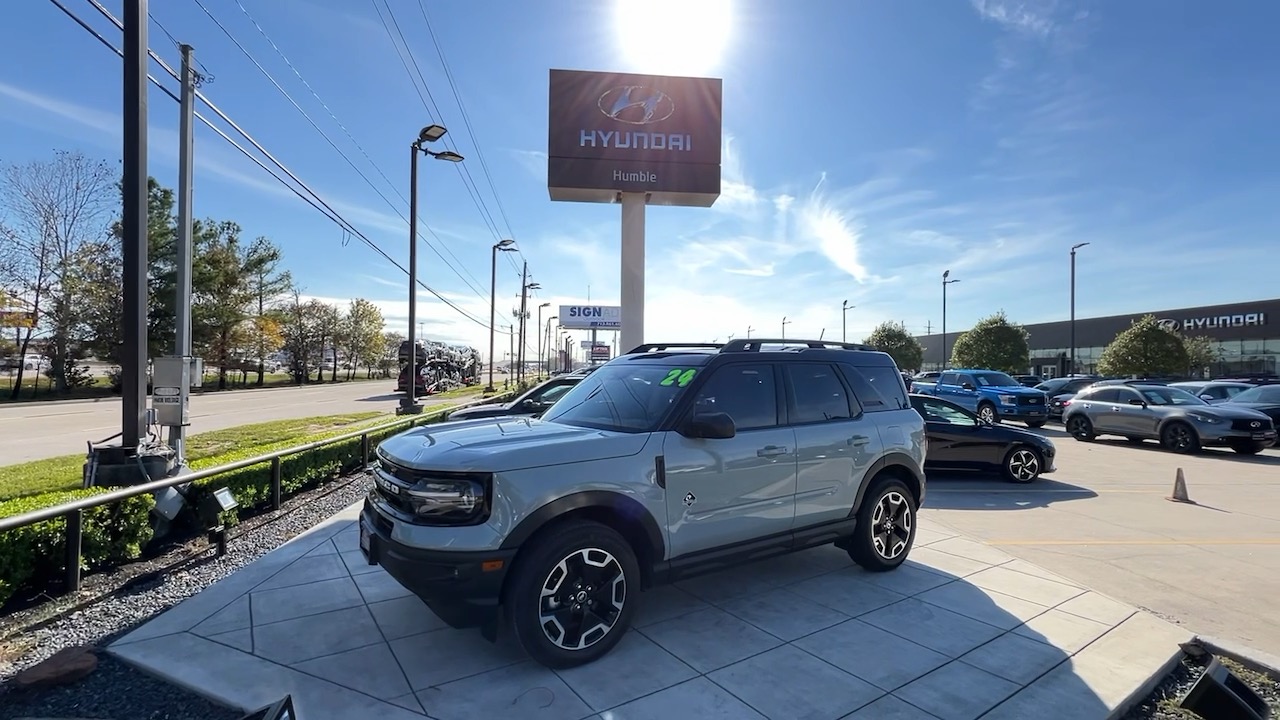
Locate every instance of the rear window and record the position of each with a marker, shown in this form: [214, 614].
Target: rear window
[876, 387]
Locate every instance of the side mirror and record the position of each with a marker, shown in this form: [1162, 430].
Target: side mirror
[967, 386]
[709, 426]
[1206, 398]
[1139, 403]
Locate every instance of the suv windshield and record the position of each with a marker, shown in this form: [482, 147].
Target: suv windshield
[627, 397]
[1169, 396]
[994, 379]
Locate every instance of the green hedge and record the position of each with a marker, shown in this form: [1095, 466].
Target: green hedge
[32, 556]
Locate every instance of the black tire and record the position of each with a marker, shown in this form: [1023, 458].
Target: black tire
[567, 554]
[987, 412]
[873, 545]
[1022, 464]
[1036, 424]
[1179, 437]
[1080, 428]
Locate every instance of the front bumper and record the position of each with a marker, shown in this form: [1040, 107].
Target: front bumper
[1213, 435]
[463, 588]
[1022, 412]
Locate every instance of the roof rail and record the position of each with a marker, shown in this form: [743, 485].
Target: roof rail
[754, 344]
[659, 347]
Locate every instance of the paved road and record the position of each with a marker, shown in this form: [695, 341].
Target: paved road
[30, 431]
[1103, 520]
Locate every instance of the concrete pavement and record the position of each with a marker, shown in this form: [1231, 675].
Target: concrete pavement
[1103, 519]
[955, 634]
[32, 431]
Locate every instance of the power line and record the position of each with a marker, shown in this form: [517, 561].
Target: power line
[326, 210]
[332, 144]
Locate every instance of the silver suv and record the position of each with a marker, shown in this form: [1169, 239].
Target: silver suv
[665, 463]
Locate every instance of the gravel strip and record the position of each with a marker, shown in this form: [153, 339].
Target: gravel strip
[1162, 703]
[102, 621]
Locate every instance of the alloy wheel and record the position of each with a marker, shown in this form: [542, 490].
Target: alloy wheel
[1180, 437]
[891, 525]
[1024, 465]
[582, 599]
[987, 413]
[1078, 427]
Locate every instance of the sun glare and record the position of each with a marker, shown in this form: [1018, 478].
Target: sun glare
[673, 37]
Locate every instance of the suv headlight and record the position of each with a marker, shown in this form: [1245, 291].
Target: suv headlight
[1008, 400]
[1206, 419]
[448, 501]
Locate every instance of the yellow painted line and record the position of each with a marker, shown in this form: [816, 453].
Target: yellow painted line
[1193, 541]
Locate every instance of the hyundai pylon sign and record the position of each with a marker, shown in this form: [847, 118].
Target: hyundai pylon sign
[590, 317]
[615, 132]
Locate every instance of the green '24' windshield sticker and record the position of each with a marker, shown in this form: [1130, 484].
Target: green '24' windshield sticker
[678, 377]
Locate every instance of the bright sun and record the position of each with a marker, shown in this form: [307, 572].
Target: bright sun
[673, 37]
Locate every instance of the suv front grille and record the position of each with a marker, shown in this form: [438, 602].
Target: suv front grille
[1030, 400]
[1259, 425]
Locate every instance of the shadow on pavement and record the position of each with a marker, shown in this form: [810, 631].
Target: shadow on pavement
[382, 398]
[952, 632]
[957, 491]
[1266, 457]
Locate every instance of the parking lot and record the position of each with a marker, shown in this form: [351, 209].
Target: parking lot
[1103, 519]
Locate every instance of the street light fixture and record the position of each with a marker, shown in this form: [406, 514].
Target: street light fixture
[945, 282]
[409, 403]
[506, 245]
[844, 313]
[1072, 370]
[785, 323]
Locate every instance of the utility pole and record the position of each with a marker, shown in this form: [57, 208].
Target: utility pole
[186, 149]
[133, 356]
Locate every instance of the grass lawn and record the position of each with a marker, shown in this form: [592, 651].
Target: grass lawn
[102, 386]
[203, 450]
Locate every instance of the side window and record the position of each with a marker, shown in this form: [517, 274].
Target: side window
[875, 388]
[553, 394]
[1110, 395]
[949, 379]
[942, 413]
[817, 393]
[747, 393]
[1231, 391]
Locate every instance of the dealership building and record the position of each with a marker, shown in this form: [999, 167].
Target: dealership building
[1247, 336]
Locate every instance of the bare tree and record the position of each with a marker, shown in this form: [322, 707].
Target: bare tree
[51, 211]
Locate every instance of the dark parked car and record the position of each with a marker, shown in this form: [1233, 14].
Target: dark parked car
[1062, 389]
[1264, 399]
[1029, 380]
[1181, 421]
[959, 440]
[535, 401]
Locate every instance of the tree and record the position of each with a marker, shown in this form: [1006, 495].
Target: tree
[362, 334]
[893, 338]
[269, 285]
[994, 343]
[328, 321]
[301, 336]
[389, 357]
[1145, 350]
[1202, 354]
[51, 210]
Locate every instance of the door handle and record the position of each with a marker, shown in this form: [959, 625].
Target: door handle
[771, 451]
[859, 440]
[1115, 409]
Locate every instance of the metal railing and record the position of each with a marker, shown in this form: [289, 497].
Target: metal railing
[74, 510]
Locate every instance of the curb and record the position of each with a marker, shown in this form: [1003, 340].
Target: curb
[1256, 660]
[1145, 688]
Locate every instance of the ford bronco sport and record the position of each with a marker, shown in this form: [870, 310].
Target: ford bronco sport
[665, 463]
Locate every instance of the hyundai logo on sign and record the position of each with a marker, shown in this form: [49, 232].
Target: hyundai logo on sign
[636, 105]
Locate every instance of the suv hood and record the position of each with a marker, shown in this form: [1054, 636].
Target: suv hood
[1013, 390]
[1227, 413]
[479, 411]
[505, 444]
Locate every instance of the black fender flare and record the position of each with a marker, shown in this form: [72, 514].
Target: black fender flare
[899, 461]
[588, 499]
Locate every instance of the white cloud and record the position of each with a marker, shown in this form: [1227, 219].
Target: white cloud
[1033, 17]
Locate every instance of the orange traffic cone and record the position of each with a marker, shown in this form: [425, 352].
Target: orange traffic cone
[1180, 489]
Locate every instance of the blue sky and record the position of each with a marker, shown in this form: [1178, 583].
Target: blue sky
[869, 145]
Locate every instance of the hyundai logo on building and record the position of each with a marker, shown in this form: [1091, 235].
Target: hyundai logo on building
[636, 105]
[1237, 320]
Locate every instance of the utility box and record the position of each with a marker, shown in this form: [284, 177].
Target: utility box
[171, 384]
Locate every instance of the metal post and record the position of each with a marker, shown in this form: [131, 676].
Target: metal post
[511, 352]
[632, 286]
[844, 314]
[133, 355]
[409, 404]
[182, 314]
[537, 363]
[944, 321]
[524, 310]
[1072, 359]
[277, 482]
[493, 303]
[72, 554]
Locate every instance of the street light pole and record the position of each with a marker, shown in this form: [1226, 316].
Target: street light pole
[785, 323]
[1072, 370]
[945, 282]
[749, 329]
[844, 313]
[506, 245]
[546, 334]
[409, 403]
[538, 362]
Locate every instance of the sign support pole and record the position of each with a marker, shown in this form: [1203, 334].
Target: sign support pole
[632, 285]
